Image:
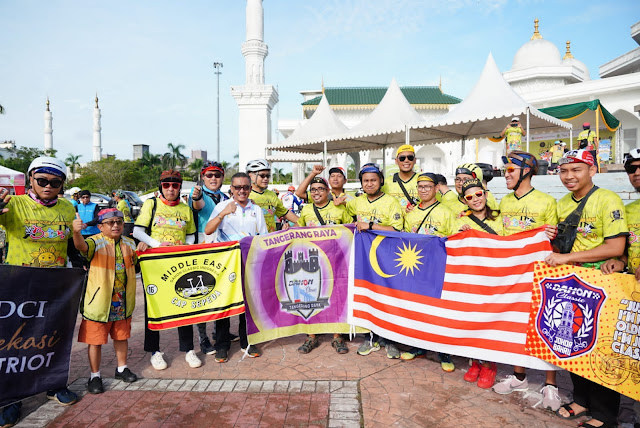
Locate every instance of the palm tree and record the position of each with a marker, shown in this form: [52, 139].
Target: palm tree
[150, 160]
[72, 162]
[277, 173]
[174, 157]
[195, 167]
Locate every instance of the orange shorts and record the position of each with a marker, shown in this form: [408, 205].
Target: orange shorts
[97, 333]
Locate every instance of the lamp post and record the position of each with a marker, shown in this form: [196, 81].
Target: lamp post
[217, 66]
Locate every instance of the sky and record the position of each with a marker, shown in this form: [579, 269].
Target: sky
[151, 62]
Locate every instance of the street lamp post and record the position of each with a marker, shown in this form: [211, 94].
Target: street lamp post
[217, 66]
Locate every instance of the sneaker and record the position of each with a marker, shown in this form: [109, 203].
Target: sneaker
[95, 386]
[10, 414]
[367, 347]
[510, 384]
[62, 396]
[446, 363]
[206, 347]
[233, 337]
[413, 353]
[126, 376]
[253, 352]
[309, 345]
[550, 397]
[487, 376]
[392, 351]
[474, 371]
[192, 359]
[222, 355]
[158, 362]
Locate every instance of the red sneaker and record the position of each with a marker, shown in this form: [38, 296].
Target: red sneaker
[487, 376]
[472, 374]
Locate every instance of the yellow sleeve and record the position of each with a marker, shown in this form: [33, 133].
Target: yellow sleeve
[279, 207]
[144, 218]
[191, 224]
[613, 218]
[351, 207]
[301, 220]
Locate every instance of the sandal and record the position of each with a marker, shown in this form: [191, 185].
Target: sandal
[308, 345]
[339, 345]
[572, 413]
[586, 424]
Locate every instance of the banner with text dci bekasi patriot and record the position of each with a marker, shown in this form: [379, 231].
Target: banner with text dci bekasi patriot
[191, 284]
[38, 311]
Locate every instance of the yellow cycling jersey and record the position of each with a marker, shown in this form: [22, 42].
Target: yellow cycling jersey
[385, 210]
[330, 213]
[436, 219]
[124, 208]
[633, 222]
[170, 225]
[392, 188]
[534, 209]
[495, 224]
[271, 205]
[447, 197]
[603, 217]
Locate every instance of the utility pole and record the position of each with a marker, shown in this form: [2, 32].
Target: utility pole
[217, 66]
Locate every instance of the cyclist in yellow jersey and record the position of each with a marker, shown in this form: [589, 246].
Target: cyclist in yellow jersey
[402, 185]
[601, 235]
[337, 180]
[587, 138]
[123, 206]
[444, 194]
[259, 171]
[523, 209]
[514, 133]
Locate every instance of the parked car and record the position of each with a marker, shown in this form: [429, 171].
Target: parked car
[100, 199]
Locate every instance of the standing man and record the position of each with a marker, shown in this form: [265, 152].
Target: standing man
[514, 133]
[524, 209]
[337, 180]
[234, 219]
[375, 210]
[259, 171]
[88, 214]
[39, 209]
[601, 235]
[557, 151]
[75, 196]
[122, 205]
[587, 138]
[291, 201]
[403, 184]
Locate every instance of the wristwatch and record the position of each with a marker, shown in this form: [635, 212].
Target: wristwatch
[370, 225]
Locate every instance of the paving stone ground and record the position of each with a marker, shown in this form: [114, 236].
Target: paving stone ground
[285, 388]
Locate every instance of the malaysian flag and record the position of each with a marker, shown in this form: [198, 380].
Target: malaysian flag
[466, 295]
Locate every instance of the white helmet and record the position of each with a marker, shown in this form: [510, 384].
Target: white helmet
[258, 165]
[74, 190]
[53, 165]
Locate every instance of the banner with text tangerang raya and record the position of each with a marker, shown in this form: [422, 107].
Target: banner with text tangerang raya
[190, 284]
[588, 323]
[296, 282]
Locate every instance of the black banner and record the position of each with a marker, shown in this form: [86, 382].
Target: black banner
[38, 310]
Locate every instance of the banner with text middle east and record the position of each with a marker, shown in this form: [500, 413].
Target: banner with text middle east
[38, 312]
[588, 323]
[191, 284]
[296, 281]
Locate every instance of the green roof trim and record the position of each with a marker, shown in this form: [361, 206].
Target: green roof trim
[373, 95]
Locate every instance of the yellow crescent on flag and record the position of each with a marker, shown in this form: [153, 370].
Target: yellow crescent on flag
[373, 257]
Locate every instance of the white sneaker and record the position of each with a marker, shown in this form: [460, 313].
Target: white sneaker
[193, 360]
[550, 397]
[510, 384]
[158, 362]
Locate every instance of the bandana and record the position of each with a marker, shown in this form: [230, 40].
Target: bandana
[48, 203]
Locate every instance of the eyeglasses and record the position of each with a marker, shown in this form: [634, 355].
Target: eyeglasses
[246, 188]
[112, 223]
[425, 188]
[264, 175]
[461, 180]
[630, 169]
[173, 185]
[511, 168]
[55, 183]
[213, 174]
[409, 157]
[477, 194]
[317, 189]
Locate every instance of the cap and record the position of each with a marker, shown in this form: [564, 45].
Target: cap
[291, 188]
[557, 142]
[108, 213]
[441, 179]
[338, 169]
[574, 156]
[586, 125]
[319, 180]
[405, 148]
[515, 119]
[469, 184]
[428, 176]
[85, 193]
[171, 175]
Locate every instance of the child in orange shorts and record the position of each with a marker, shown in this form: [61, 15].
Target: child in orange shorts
[109, 297]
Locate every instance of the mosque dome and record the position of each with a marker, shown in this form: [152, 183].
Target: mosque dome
[537, 52]
[568, 59]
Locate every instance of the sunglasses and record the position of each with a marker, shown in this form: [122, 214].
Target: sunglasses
[246, 188]
[55, 183]
[317, 189]
[112, 223]
[264, 175]
[477, 194]
[166, 185]
[409, 157]
[213, 174]
[511, 168]
[630, 169]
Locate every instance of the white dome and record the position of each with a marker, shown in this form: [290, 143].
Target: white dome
[579, 65]
[536, 53]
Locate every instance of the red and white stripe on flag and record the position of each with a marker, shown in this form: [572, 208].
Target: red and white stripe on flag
[484, 308]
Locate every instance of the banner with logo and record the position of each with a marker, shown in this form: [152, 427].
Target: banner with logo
[296, 281]
[191, 284]
[588, 323]
[38, 311]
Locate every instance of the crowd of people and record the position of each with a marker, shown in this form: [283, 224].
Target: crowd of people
[105, 242]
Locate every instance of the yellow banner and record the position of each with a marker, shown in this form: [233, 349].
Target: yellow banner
[587, 323]
[190, 284]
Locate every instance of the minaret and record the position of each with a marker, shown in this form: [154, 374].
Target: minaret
[255, 99]
[48, 128]
[97, 139]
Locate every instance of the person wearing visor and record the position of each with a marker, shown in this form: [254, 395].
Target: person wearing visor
[402, 185]
[337, 180]
[163, 222]
[375, 210]
[22, 216]
[523, 209]
[464, 172]
[600, 235]
[514, 133]
[429, 217]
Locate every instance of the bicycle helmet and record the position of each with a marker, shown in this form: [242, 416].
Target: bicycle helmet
[523, 160]
[471, 169]
[213, 166]
[487, 171]
[633, 155]
[258, 165]
[48, 165]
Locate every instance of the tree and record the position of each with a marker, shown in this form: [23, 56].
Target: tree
[72, 163]
[150, 160]
[22, 156]
[109, 174]
[174, 157]
[194, 169]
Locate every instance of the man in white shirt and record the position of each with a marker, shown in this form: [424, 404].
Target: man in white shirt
[234, 219]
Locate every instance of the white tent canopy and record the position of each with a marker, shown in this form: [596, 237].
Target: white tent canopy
[485, 112]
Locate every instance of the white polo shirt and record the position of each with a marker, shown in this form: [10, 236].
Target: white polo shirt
[247, 221]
